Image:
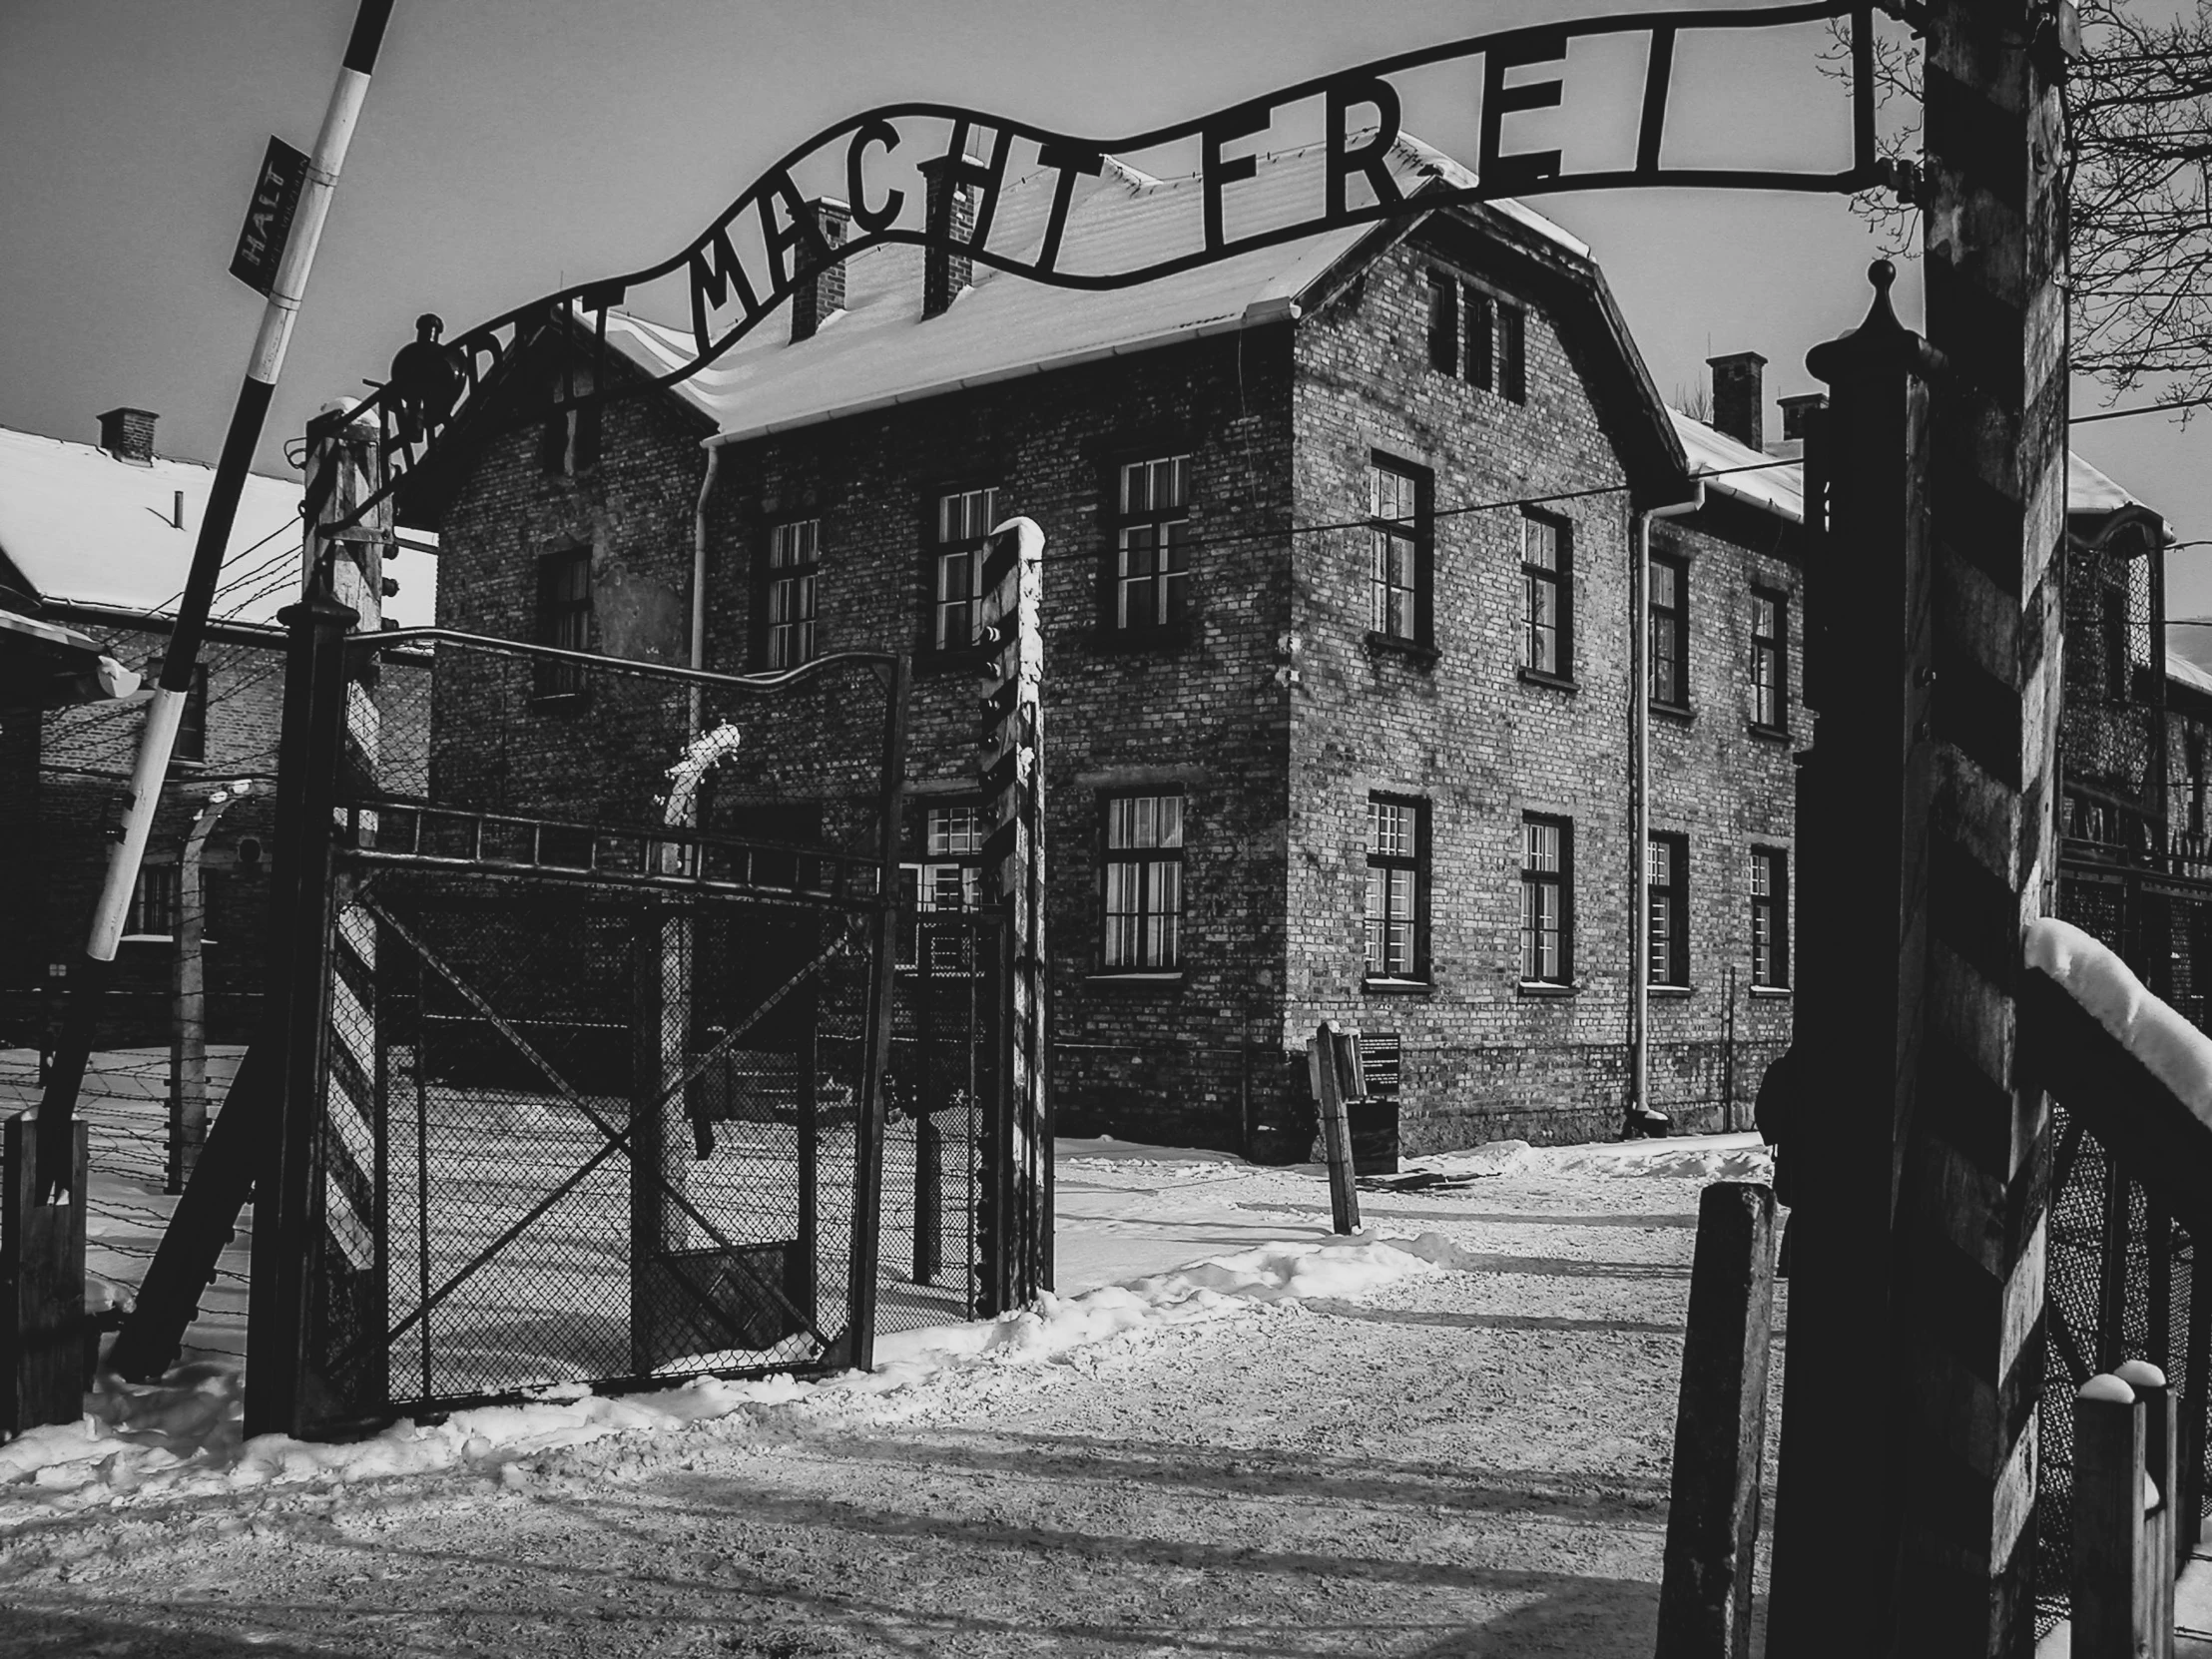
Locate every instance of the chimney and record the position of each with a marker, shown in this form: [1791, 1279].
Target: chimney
[1740, 397]
[127, 434]
[1795, 413]
[822, 296]
[944, 273]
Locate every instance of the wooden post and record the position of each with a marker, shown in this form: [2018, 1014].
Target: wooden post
[2158, 1564]
[1323, 1063]
[1720, 1428]
[42, 1276]
[2109, 1618]
[1967, 1195]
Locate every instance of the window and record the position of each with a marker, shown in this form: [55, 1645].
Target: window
[1770, 917]
[1547, 936]
[794, 559]
[1144, 882]
[1398, 508]
[1770, 682]
[1512, 353]
[1152, 565]
[965, 519]
[1667, 865]
[1546, 589]
[949, 877]
[1396, 868]
[1443, 323]
[1481, 337]
[1670, 640]
[563, 618]
[154, 903]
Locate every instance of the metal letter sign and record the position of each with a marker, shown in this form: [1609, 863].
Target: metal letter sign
[765, 245]
[269, 220]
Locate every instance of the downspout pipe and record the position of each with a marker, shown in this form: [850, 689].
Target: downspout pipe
[1641, 1114]
[698, 585]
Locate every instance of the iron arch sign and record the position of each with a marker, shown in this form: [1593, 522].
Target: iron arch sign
[762, 248]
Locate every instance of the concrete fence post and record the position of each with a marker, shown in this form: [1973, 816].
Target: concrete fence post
[2110, 1619]
[2161, 1468]
[1720, 1428]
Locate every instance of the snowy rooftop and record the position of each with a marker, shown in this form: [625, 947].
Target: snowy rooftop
[877, 351]
[2183, 672]
[1779, 487]
[80, 527]
[77, 524]
[1724, 463]
[2090, 491]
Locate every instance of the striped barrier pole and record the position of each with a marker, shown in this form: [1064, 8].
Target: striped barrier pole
[1012, 776]
[163, 716]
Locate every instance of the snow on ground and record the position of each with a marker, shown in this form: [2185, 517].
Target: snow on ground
[1230, 1430]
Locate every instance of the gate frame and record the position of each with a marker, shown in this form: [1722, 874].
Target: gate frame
[290, 1395]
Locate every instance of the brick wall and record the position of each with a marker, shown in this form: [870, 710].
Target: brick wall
[1278, 423]
[1199, 711]
[84, 758]
[1480, 744]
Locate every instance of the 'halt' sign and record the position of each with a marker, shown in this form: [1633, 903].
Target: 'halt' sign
[269, 220]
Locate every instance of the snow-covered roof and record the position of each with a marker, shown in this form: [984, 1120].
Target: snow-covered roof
[1736, 469]
[2185, 673]
[1778, 485]
[2090, 491]
[77, 524]
[878, 352]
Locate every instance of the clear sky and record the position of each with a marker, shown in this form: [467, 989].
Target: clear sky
[510, 145]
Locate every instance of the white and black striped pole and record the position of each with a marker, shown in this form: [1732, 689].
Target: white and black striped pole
[1012, 777]
[157, 743]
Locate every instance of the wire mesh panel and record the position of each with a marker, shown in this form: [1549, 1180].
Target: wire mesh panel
[945, 1101]
[603, 1141]
[2119, 1283]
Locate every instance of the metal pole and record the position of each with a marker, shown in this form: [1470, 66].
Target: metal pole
[1728, 1057]
[163, 715]
[867, 1148]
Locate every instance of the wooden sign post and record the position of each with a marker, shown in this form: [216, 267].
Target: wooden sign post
[42, 1273]
[1331, 1060]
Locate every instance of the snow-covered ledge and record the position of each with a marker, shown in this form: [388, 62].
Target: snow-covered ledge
[2169, 1047]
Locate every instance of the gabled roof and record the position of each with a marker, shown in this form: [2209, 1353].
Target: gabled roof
[878, 352]
[76, 524]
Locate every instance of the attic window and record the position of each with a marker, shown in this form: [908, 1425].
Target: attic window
[1443, 323]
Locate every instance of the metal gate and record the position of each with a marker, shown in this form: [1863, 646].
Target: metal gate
[589, 1100]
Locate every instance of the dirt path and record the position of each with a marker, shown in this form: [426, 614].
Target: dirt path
[1463, 1463]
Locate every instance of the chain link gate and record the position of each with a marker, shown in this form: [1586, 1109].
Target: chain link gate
[589, 1098]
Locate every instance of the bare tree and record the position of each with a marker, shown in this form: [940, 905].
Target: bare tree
[2139, 155]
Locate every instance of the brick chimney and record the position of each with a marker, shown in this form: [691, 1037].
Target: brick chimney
[1740, 397]
[822, 296]
[127, 434]
[944, 273]
[1795, 411]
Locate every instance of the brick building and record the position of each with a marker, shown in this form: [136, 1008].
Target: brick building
[1339, 624]
[95, 540]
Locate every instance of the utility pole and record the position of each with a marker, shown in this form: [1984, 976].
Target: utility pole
[57, 1109]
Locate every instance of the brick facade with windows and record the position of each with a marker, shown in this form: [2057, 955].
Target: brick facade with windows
[1294, 731]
